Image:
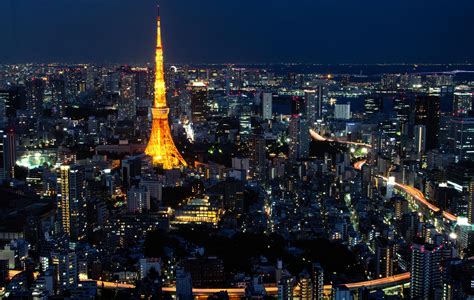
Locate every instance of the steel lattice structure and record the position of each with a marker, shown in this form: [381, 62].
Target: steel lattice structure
[160, 145]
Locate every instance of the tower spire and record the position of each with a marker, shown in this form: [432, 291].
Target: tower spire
[158, 28]
[160, 145]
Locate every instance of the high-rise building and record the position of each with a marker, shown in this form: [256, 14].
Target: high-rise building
[66, 271]
[384, 257]
[470, 206]
[267, 103]
[58, 95]
[71, 202]
[306, 286]
[317, 278]
[184, 285]
[161, 146]
[314, 104]
[127, 106]
[342, 111]
[425, 270]
[35, 96]
[462, 136]
[373, 105]
[427, 113]
[4, 101]
[299, 138]
[138, 200]
[9, 153]
[199, 96]
[401, 206]
[2, 158]
[131, 168]
[462, 103]
[258, 155]
[285, 288]
[420, 140]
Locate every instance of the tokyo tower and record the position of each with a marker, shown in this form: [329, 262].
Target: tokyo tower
[160, 145]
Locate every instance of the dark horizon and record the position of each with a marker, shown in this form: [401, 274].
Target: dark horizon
[244, 32]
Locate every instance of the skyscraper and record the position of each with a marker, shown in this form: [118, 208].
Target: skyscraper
[198, 102]
[71, 202]
[425, 270]
[161, 146]
[285, 288]
[184, 285]
[58, 95]
[317, 278]
[314, 104]
[35, 96]
[462, 135]
[138, 200]
[420, 140]
[384, 257]
[299, 138]
[66, 272]
[267, 112]
[342, 111]
[9, 153]
[427, 113]
[373, 105]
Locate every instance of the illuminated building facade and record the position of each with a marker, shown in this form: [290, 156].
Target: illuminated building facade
[160, 145]
[198, 211]
[66, 273]
[425, 271]
[71, 202]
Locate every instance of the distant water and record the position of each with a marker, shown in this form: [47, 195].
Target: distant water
[370, 70]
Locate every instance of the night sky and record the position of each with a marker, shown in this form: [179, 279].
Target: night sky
[238, 31]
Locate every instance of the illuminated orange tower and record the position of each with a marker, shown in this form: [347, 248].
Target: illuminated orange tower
[161, 146]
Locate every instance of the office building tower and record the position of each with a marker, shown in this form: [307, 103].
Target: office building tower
[462, 137]
[420, 140]
[267, 106]
[285, 288]
[462, 103]
[2, 158]
[7, 154]
[317, 278]
[299, 138]
[425, 270]
[127, 103]
[58, 96]
[427, 113]
[384, 257]
[131, 169]
[206, 271]
[138, 200]
[184, 285]
[341, 293]
[314, 104]
[401, 206]
[66, 271]
[4, 102]
[35, 96]
[258, 155]
[306, 286]
[372, 106]
[342, 111]
[71, 202]
[470, 199]
[147, 264]
[199, 96]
